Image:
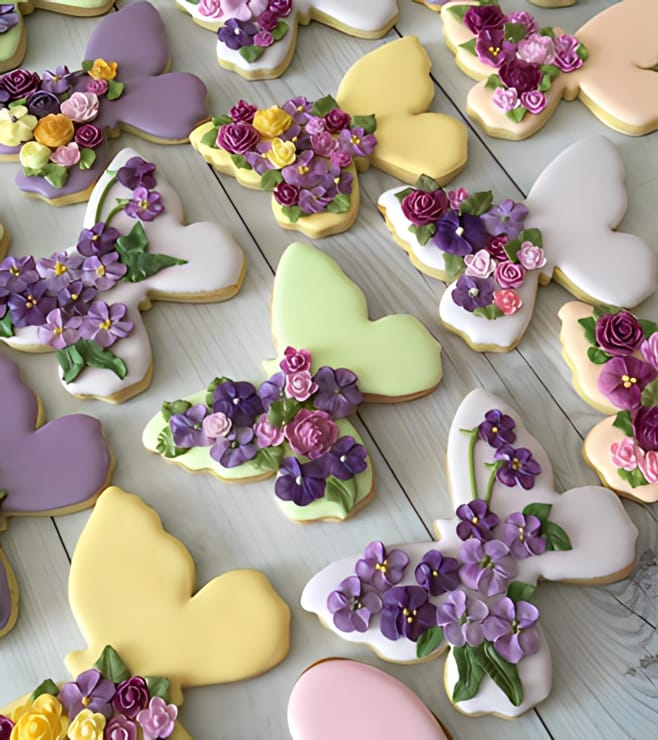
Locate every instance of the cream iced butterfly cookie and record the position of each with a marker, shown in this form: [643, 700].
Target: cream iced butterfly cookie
[56, 123]
[295, 423]
[472, 591]
[614, 359]
[46, 469]
[495, 254]
[351, 700]
[523, 71]
[161, 636]
[84, 302]
[257, 38]
[307, 153]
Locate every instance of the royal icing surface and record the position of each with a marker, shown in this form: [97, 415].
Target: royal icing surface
[581, 515]
[581, 248]
[212, 269]
[372, 705]
[366, 19]
[8, 596]
[619, 89]
[135, 39]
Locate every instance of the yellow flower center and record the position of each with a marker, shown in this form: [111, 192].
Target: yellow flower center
[475, 519]
[105, 325]
[14, 271]
[494, 429]
[355, 139]
[521, 534]
[382, 567]
[85, 701]
[302, 169]
[74, 296]
[57, 331]
[494, 50]
[60, 268]
[516, 463]
[628, 380]
[30, 301]
[100, 270]
[409, 615]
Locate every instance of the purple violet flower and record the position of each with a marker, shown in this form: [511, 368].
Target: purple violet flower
[298, 108]
[513, 629]
[8, 17]
[338, 392]
[104, 271]
[17, 274]
[407, 613]
[437, 573]
[59, 270]
[236, 34]
[461, 618]
[346, 458]
[76, 298]
[460, 235]
[89, 691]
[41, 103]
[505, 218]
[137, 172]
[271, 390]
[352, 604]
[187, 428]
[313, 200]
[488, 567]
[473, 292]
[381, 569]
[622, 380]
[98, 240]
[492, 48]
[476, 521]
[31, 307]
[357, 142]
[58, 331]
[301, 483]
[106, 323]
[522, 535]
[145, 204]
[308, 171]
[56, 82]
[239, 401]
[238, 446]
[497, 428]
[518, 466]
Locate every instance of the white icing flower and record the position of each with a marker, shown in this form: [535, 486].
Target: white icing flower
[481, 264]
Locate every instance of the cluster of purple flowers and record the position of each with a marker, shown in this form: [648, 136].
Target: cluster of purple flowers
[303, 151]
[483, 243]
[59, 295]
[293, 408]
[8, 17]
[254, 25]
[527, 59]
[627, 349]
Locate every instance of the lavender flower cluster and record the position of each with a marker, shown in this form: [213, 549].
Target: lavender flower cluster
[8, 17]
[294, 410]
[527, 59]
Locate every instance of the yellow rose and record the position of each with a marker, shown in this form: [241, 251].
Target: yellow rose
[87, 725]
[34, 156]
[16, 125]
[102, 70]
[40, 720]
[282, 153]
[272, 121]
[54, 130]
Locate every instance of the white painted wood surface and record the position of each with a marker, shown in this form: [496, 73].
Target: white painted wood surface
[603, 639]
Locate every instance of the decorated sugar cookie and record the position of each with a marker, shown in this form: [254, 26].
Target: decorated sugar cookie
[351, 700]
[257, 38]
[472, 591]
[436, 4]
[56, 122]
[307, 152]
[523, 71]
[46, 469]
[495, 254]
[295, 423]
[160, 636]
[614, 359]
[85, 302]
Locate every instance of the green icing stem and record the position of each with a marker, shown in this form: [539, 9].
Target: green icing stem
[198, 460]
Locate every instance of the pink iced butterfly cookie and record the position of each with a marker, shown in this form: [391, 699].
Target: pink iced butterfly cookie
[160, 636]
[495, 255]
[524, 71]
[614, 359]
[257, 38]
[46, 469]
[472, 591]
[85, 301]
[56, 123]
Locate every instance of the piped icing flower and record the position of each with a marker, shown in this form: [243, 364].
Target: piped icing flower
[352, 605]
[380, 568]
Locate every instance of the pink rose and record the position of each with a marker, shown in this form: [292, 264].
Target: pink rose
[648, 464]
[81, 107]
[315, 125]
[98, 87]
[496, 247]
[481, 264]
[243, 112]
[66, 156]
[300, 386]
[295, 360]
[267, 435]
[210, 8]
[624, 454]
[263, 38]
[237, 138]
[311, 433]
[534, 101]
[509, 274]
[505, 99]
[536, 49]
[649, 350]
[530, 256]
[508, 301]
[158, 719]
[456, 197]
[120, 728]
[323, 144]
[216, 425]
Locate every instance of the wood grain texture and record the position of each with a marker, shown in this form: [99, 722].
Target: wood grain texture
[603, 639]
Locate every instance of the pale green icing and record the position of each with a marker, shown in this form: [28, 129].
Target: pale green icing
[199, 460]
[10, 40]
[52, 4]
[316, 306]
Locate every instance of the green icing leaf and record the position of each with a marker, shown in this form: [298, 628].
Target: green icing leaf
[172, 408]
[114, 89]
[292, 213]
[550, 71]
[55, 174]
[556, 537]
[545, 84]
[268, 458]
[469, 46]
[134, 241]
[514, 32]
[367, 123]
[490, 312]
[87, 64]
[581, 51]
[221, 120]
[210, 137]
[493, 81]
[520, 591]
[210, 391]
[459, 11]
[504, 674]
[283, 411]
[517, 114]
[6, 327]
[634, 477]
[166, 446]
[470, 671]
[429, 641]
[597, 355]
[402, 194]
[541, 511]
[240, 162]
[252, 52]
[423, 233]
[623, 421]
[340, 204]
[45, 687]
[141, 265]
[111, 666]
[427, 184]
[322, 106]
[280, 30]
[649, 396]
[454, 265]
[3, 495]
[341, 492]
[589, 325]
[158, 686]
[87, 158]
[270, 179]
[547, 31]
[531, 235]
[88, 353]
[648, 327]
[477, 203]
[602, 310]
[511, 248]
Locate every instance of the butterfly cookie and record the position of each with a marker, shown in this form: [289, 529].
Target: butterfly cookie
[308, 152]
[56, 124]
[294, 424]
[614, 359]
[171, 636]
[496, 254]
[85, 302]
[472, 590]
[74, 466]
[523, 71]
[257, 38]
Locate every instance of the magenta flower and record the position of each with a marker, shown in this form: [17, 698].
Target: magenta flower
[525, 19]
[522, 535]
[461, 618]
[158, 719]
[6, 726]
[300, 386]
[513, 629]
[645, 427]
[337, 120]
[137, 172]
[88, 136]
[381, 569]
[237, 447]
[89, 691]
[649, 350]
[286, 194]
[476, 521]
[267, 435]
[243, 112]
[346, 458]
[132, 695]
[237, 138]
[534, 101]
[300, 483]
[423, 208]
[106, 323]
[492, 48]
[618, 333]
[407, 613]
[505, 218]
[517, 466]
[295, 360]
[509, 274]
[311, 433]
[338, 392]
[622, 380]
[497, 429]
[488, 567]
[352, 604]
[239, 401]
[437, 574]
[187, 428]
[120, 728]
[480, 18]
[145, 204]
[520, 75]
